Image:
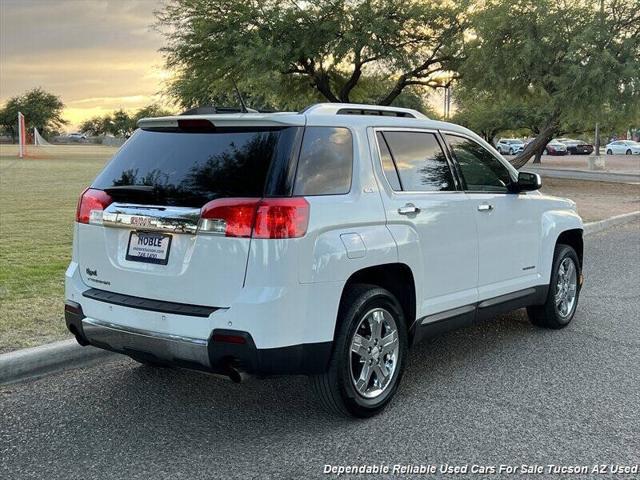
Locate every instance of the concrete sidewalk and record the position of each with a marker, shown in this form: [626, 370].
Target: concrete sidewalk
[598, 176]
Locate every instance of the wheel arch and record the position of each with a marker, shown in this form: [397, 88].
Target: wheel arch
[397, 278]
[573, 238]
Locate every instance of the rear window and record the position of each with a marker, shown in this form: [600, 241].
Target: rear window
[190, 169]
[326, 162]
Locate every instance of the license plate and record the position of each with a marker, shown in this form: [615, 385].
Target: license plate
[149, 247]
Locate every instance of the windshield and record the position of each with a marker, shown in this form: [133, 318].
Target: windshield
[190, 169]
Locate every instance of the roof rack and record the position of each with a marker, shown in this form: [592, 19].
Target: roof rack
[360, 109]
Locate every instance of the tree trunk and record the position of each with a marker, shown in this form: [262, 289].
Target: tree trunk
[537, 145]
[536, 159]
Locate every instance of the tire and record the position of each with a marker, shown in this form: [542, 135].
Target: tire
[550, 314]
[609, 152]
[545, 152]
[511, 151]
[628, 152]
[336, 389]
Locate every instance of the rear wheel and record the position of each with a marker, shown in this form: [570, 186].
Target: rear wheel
[369, 354]
[564, 290]
[628, 152]
[545, 152]
[609, 152]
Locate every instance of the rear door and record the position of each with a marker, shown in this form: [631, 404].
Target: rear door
[424, 205]
[147, 243]
[509, 224]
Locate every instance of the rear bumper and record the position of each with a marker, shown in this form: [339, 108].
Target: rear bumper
[195, 353]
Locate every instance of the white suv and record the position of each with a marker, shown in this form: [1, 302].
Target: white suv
[324, 243]
[510, 146]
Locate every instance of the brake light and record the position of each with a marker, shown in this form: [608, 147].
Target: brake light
[281, 218]
[231, 217]
[91, 204]
[257, 218]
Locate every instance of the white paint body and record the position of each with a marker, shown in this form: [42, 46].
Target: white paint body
[287, 292]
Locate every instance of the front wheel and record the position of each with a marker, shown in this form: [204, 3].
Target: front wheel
[609, 152]
[564, 290]
[628, 152]
[369, 354]
[545, 152]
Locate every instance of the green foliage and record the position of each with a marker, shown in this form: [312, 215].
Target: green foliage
[120, 123]
[570, 57]
[286, 55]
[41, 109]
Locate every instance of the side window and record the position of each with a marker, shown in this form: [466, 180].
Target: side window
[387, 163]
[480, 170]
[420, 162]
[326, 162]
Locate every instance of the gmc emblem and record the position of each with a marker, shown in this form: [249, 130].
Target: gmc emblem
[141, 221]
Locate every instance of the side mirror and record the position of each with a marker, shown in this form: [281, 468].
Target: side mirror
[528, 181]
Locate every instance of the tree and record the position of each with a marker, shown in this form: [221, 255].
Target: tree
[94, 126]
[120, 123]
[292, 53]
[41, 109]
[572, 57]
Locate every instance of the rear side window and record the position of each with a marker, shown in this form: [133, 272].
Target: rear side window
[387, 163]
[326, 162]
[190, 169]
[420, 162]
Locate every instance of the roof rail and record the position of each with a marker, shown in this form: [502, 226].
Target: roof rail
[360, 109]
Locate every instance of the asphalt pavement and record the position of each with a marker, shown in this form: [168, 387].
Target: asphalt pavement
[503, 392]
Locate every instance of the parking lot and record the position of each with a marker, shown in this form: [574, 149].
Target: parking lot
[498, 393]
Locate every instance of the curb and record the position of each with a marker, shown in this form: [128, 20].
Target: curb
[595, 227]
[36, 362]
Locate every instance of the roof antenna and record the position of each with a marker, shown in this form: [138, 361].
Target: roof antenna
[243, 106]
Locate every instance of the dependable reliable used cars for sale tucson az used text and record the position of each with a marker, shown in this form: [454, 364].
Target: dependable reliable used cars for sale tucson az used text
[325, 243]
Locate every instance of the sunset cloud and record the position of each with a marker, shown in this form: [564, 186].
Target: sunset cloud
[98, 55]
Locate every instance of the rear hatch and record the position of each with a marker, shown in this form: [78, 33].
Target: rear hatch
[140, 228]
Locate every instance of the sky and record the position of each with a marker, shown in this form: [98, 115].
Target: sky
[97, 55]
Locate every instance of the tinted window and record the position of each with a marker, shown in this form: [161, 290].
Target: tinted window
[387, 163]
[420, 161]
[326, 162]
[190, 169]
[480, 169]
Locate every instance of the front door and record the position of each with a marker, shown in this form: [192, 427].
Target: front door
[508, 223]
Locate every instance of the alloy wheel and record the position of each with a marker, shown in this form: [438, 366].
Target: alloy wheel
[566, 287]
[374, 353]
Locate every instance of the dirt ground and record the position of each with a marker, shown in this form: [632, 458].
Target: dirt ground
[613, 163]
[595, 200]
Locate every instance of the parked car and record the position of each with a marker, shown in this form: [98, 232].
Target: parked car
[577, 147]
[623, 147]
[509, 146]
[555, 147]
[325, 242]
[77, 136]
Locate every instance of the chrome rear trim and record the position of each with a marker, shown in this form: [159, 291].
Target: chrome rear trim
[161, 345]
[152, 218]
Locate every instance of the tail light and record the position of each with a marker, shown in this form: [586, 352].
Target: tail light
[231, 217]
[257, 218]
[91, 204]
[281, 218]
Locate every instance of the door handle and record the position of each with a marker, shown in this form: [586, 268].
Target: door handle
[485, 207]
[408, 209]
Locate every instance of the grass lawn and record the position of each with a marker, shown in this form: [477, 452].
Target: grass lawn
[37, 206]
